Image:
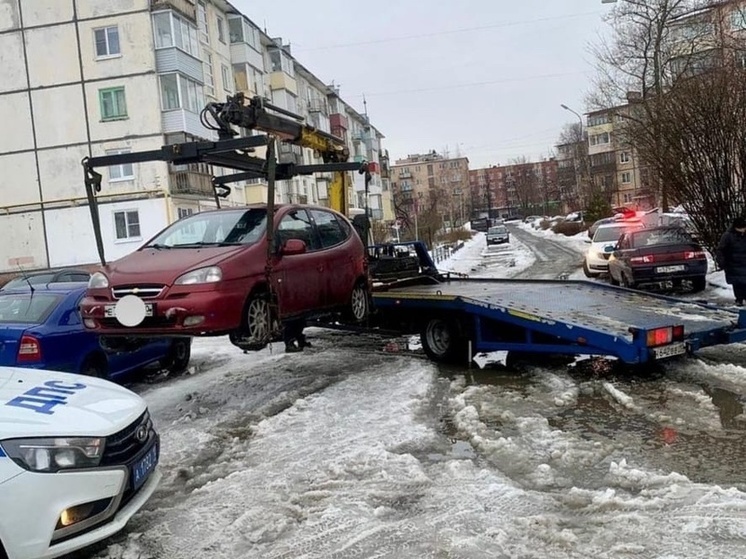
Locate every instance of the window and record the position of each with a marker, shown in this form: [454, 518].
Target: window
[123, 171]
[184, 212]
[221, 29]
[626, 177]
[204, 31]
[330, 231]
[172, 31]
[297, 225]
[207, 72]
[600, 139]
[112, 102]
[227, 78]
[624, 157]
[127, 225]
[280, 62]
[107, 42]
[179, 92]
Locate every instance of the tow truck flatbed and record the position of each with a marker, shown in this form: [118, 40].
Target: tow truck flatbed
[554, 316]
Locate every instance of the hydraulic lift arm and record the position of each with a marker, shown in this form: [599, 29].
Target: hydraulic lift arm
[236, 153]
[255, 115]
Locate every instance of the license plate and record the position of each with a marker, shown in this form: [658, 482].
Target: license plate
[669, 269]
[110, 310]
[670, 350]
[142, 469]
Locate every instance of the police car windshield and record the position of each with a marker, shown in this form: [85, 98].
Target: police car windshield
[608, 234]
[220, 228]
[26, 308]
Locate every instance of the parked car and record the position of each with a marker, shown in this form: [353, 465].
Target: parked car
[656, 255]
[47, 276]
[42, 329]
[78, 458]
[497, 235]
[207, 274]
[602, 245]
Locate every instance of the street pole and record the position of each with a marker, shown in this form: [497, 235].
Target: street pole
[578, 178]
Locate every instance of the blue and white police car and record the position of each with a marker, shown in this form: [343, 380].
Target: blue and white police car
[78, 458]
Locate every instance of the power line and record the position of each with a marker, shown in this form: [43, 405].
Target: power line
[451, 31]
[474, 84]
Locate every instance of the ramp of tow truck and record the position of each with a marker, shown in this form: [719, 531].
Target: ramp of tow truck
[574, 317]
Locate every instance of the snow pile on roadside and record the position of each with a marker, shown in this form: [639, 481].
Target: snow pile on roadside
[476, 259]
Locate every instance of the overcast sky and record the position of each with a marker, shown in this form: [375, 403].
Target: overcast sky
[483, 78]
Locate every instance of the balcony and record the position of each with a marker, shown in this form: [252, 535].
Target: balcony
[318, 106]
[243, 53]
[180, 120]
[359, 136]
[338, 120]
[172, 59]
[184, 7]
[280, 80]
[405, 175]
[192, 183]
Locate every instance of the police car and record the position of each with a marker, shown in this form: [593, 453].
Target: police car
[78, 458]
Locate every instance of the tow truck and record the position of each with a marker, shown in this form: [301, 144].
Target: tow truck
[456, 317]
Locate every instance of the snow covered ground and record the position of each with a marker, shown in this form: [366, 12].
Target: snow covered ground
[349, 451]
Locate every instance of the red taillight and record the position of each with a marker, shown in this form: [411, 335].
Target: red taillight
[666, 335]
[696, 254]
[647, 259]
[30, 350]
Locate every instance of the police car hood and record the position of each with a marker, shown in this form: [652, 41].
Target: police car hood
[45, 403]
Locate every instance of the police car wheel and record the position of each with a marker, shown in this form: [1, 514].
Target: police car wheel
[94, 366]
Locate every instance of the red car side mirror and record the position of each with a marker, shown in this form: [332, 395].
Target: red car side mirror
[293, 246]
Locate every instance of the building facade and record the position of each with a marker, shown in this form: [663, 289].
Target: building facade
[615, 168]
[520, 188]
[432, 182]
[84, 79]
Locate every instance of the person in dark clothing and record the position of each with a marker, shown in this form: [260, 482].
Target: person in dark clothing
[293, 336]
[731, 257]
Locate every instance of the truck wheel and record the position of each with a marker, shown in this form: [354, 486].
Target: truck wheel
[95, 365]
[179, 354]
[442, 341]
[699, 284]
[257, 331]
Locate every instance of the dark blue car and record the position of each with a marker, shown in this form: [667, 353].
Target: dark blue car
[40, 327]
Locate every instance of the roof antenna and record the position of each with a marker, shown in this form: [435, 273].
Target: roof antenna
[28, 281]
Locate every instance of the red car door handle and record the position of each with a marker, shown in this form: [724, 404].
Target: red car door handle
[321, 268]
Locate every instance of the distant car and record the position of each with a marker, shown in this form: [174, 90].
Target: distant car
[602, 245]
[42, 329]
[497, 235]
[532, 218]
[658, 254]
[209, 274]
[47, 276]
[78, 458]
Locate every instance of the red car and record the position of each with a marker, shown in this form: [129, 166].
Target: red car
[207, 274]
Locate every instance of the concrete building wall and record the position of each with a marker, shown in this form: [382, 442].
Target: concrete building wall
[70, 233]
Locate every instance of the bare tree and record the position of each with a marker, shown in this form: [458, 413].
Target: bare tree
[699, 145]
[653, 44]
[525, 184]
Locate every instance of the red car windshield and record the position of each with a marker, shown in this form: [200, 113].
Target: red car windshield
[220, 228]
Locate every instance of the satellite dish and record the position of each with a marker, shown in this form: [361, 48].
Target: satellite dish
[130, 310]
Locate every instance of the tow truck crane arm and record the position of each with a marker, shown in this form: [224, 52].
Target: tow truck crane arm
[237, 153]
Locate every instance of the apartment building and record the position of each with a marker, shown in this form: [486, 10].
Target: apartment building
[517, 188]
[421, 182]
[614, 166]
[88, 78]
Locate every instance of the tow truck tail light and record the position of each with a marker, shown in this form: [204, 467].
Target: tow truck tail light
[666, 335]
[29, 350]
[695, 255]
[647, 259]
